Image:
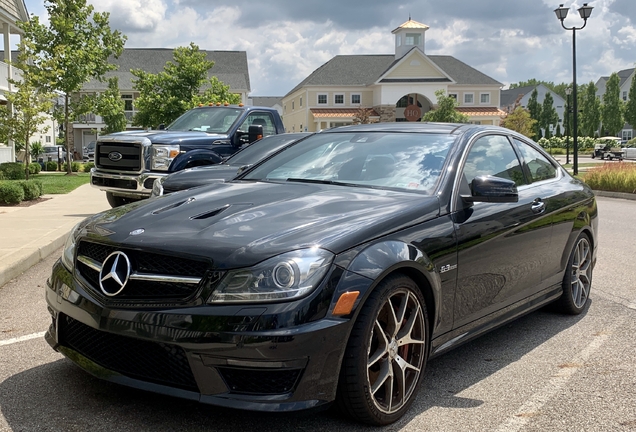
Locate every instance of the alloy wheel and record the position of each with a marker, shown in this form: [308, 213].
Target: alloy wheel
[581, 272]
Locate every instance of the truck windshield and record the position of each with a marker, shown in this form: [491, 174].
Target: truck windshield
[207, 119]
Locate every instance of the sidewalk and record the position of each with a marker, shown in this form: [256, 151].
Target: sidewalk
[30, 234]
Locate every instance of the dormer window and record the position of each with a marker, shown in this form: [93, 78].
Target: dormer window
[413, 39]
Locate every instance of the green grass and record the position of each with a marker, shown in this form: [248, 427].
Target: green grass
[61, 183]
[618, 177]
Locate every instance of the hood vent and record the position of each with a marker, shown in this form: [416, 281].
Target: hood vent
[173, 206]
[210, 213]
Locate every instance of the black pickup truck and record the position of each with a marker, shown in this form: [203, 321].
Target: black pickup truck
[128, 163]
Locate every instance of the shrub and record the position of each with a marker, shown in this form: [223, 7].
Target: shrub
[11, 193]
[1, 175]
[50, 166]
[620, 177]
[34, 168]
[13, 171]
[88, 166]
[75, 166]
[32, 189]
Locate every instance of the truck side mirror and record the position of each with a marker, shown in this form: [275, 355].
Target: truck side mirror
[162, 126]
[254, 132]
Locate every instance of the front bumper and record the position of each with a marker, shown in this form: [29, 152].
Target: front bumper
[127, 185]
[234, 356]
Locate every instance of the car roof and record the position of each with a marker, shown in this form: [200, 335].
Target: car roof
[426, 127]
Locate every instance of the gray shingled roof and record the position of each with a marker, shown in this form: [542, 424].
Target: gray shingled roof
[266, 101]
[508, 97]
[357, 70]
[624, 75]
[229, 67]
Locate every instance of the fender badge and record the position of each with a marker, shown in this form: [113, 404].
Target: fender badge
[137, 232]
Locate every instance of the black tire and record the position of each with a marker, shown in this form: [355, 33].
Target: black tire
[385, 349]
[117, 201]
[577, 280]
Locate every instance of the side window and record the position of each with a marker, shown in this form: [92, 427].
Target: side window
[493, 155]
[262, 119]
[539, 166]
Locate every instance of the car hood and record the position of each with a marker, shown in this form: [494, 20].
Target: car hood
[238, 224]
[199, 176]
[167, 136]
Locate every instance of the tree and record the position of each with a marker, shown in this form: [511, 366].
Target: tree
[70, 51]
[166, 95]
[612, 109]
[590, 111]
[557, 88]
[362, 116]
[110, 106]
[521, 121]
[446, 111]
[549, 116]
[30, 104]
[630, 107]
[534, 108]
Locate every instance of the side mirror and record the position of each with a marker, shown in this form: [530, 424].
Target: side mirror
[492, 189]
[161, 126]
[254, 132]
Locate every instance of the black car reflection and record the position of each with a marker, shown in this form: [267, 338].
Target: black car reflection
[332, 270]
[228, 169]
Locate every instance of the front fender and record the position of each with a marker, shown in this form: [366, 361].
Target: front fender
[192, 158]
[378, 260]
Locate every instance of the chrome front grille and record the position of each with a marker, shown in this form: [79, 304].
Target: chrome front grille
[154, 278]
[119, 156]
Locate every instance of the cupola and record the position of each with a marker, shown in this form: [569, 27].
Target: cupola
[409, 35]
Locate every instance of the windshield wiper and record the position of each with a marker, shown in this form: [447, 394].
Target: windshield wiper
[317, 181]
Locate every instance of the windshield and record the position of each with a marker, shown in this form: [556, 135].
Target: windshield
[260, 150]
[408, 161]
[210, 120]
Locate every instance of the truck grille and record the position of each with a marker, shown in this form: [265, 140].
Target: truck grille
[107, 156]
[144, 291]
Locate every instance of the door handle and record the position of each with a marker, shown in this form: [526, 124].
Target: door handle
[538, 206]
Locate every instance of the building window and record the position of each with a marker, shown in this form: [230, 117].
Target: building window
[398, 40]
[322, 99]
[48, 138]
[453, 95]
[301, 127]
[293, 102]
[301, 102]
[484, 98]
[469, 98]
[413, 39]
[627, 135]
[338, 99]
[356, 99]
[624, 95]
[285, 108]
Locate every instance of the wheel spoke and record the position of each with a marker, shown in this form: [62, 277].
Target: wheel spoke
[402, 310]
[385, 374]
[404, 365]
[393, 324]
[383, 344]
[400, 380]
[406, 334]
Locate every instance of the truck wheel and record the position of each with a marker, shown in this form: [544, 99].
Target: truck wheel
[116, 201]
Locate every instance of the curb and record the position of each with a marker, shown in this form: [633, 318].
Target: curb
[619, 195]
[30, 259]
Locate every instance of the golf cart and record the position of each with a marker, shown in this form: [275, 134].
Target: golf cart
[604, 149]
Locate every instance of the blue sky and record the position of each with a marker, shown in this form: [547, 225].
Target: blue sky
[286, 40]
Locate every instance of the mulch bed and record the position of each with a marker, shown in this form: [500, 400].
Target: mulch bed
[25, 203]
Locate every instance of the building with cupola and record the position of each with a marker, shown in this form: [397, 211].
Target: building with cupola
[394, 87]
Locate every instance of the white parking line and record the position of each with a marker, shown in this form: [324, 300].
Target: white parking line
[533, 405]
[21, 338]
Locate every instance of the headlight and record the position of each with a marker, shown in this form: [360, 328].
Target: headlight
[68, 253]
[163, 155]
[157, 187]
[287, 276]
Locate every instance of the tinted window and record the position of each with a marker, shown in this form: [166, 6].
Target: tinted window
[493, 155]
[260, 149]
[539, 166]
[409, 161]
[259, 119]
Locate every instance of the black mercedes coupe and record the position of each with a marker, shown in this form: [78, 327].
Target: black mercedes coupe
[331, 271]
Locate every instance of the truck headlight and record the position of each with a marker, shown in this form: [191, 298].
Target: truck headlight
[163, 155]
[284, 277]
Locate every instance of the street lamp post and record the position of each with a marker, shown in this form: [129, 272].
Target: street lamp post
[568, 92]
[561, 12]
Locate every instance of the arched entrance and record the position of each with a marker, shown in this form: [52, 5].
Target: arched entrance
[411, 107]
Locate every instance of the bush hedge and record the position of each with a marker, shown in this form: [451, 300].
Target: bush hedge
[50, 166]
[88, 166]
[34, 168]
[11, 193]
[32, 189]
[13, 171]
[75, 166]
